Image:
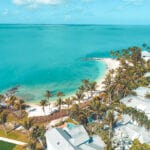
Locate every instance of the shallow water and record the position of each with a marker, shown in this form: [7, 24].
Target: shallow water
[49, 57]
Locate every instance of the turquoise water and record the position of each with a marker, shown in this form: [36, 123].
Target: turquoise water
[49, 57]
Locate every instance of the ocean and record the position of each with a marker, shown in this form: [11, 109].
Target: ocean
[51, 57]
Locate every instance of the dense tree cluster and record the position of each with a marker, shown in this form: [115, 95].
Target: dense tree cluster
[117, 84]
[136, 145]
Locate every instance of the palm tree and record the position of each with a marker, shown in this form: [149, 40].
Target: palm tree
[74, 111]
[108, 80]
[38, 134]
[3, 120]
[86, 84]
[1, 97]
[35, 134]
[19, 104]
[11, 101]
[82, 118]
[82, 88]
[60, 94]
[95, 106]
[43, 103]
[79, 96]
[112, 53]
[68, 101]
[92, 87]
[73, 98]
[111, 121]
[31, 145]
[59, 103]
[102, 95]
[85, 81]
[27, 124]
[47, 95]
[59, 100]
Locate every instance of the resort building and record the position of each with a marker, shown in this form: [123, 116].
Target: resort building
[126, 131]
[72, 137]
[139, 102]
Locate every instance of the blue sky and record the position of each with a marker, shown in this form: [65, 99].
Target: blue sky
[75, 11]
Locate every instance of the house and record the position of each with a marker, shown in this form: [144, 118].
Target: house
[142, 91]
[139, 102]
[133, 131]
[72, 138]
[126, 131]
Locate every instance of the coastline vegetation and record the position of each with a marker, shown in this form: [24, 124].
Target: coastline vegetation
[117, 84]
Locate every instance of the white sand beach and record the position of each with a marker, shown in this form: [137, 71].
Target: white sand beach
[36, 110]
[111, 64]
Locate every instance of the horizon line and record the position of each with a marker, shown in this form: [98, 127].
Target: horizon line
[84, 24]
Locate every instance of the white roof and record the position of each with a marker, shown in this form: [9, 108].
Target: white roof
[78, 134]
[138, 102]
[72, 139]
[146, 55]
[147, 74]
[90, 147]
[126, 119]
[98, 141]
[97, 144]
[134, 132]
[142, 91]
[57, 139]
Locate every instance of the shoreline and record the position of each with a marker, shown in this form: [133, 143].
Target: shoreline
[36, 110]
[110, 64]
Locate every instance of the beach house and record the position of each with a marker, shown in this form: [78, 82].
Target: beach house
[139, 102]
[72, 137]
[126, 131]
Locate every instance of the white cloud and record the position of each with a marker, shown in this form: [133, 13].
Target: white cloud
[34, 3]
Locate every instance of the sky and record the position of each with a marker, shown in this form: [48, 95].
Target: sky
[75, 11]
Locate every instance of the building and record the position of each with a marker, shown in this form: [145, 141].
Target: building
[126, 131]
[126, 126]
[72, 137]
[139, 102]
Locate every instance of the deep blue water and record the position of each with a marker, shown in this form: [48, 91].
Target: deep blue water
[49, 57]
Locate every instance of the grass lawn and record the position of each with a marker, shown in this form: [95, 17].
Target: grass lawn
[15, 135]
[6, 146]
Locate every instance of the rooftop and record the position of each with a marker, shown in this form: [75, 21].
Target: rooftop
[147, 74]
[146, 55]
[133, 131]
[126, 131]
[139, 102]
[74, 138]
